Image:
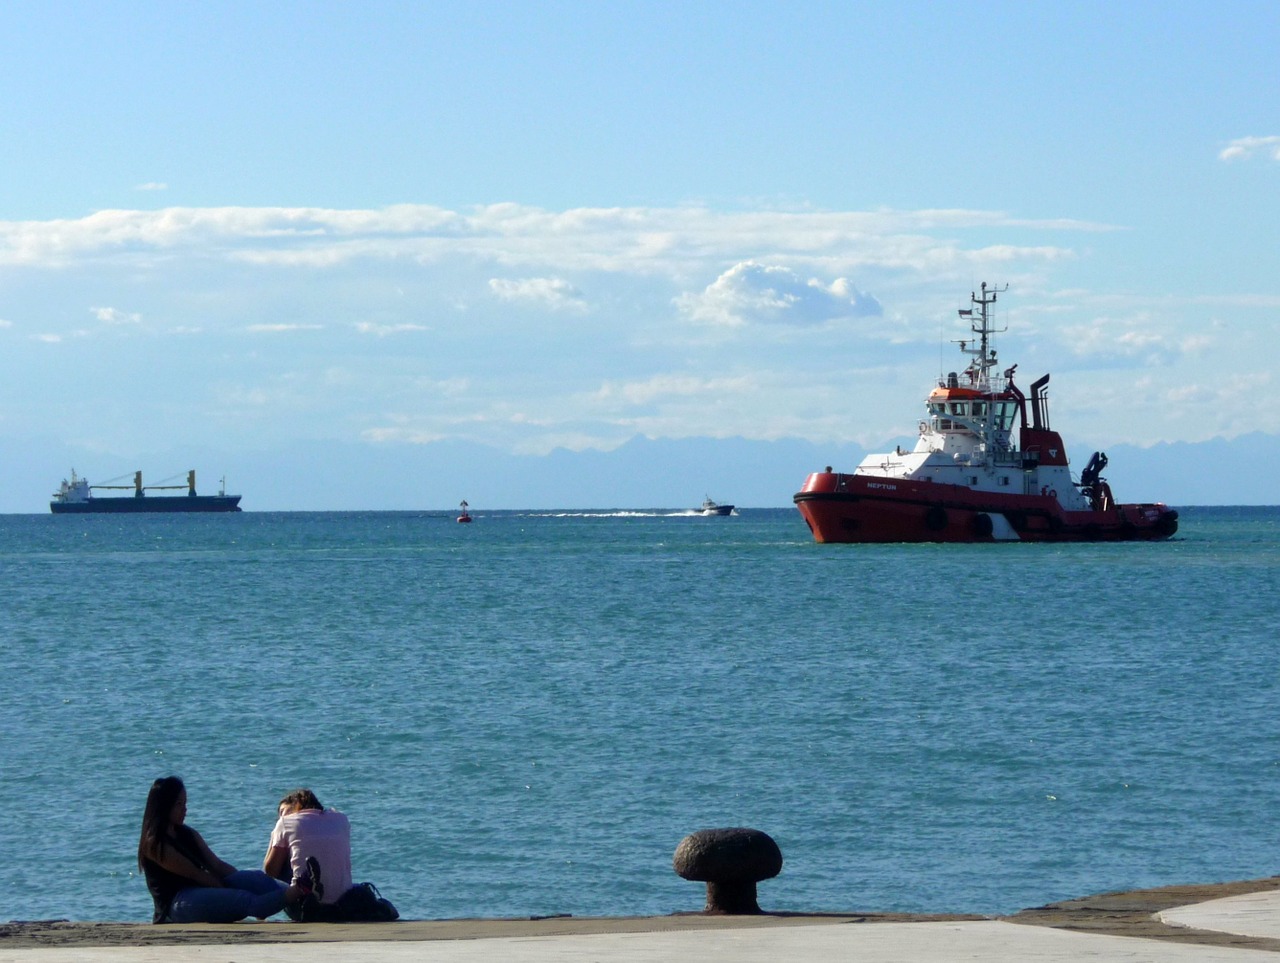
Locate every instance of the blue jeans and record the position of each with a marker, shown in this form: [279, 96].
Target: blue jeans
[247, 892]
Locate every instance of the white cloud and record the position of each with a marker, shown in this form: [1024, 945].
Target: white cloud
[702, 319]
[151, 186]
[554, 293]
[1129, 341]
[403, 436]
[445, 387]
[115, 316]
[755, 293]
[1230, 405]
[662, 387]
[682, 241]
[383, 330]
[1192, 394]
[1243, 148]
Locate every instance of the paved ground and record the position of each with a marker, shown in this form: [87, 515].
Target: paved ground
[1207, 924]
[1253, 914]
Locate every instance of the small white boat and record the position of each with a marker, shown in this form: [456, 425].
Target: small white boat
[712, 508]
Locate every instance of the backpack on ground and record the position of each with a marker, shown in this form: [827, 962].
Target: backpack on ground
[362, 903]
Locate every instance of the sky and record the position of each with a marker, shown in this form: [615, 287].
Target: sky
[562, 226]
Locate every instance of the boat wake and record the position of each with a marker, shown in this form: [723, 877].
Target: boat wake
[620, 513]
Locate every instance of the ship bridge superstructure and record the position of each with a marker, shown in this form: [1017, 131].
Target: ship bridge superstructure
[966, 414]
[974, 421]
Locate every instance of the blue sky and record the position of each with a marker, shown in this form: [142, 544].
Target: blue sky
[569, 224]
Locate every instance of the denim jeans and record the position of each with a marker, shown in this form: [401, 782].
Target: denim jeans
[247, 892]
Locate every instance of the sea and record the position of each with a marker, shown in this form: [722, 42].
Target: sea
[525, 715]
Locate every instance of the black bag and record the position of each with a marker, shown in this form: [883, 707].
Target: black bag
[362, 903]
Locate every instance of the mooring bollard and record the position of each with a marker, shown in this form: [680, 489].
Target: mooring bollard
[730, 862]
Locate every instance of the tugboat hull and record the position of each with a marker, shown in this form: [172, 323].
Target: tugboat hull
[860, 508]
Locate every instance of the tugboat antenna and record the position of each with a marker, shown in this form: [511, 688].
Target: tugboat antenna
[980, 322]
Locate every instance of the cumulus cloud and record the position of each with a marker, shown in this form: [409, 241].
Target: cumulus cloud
[1243, 148]
[755, 293]
[399, 293]
[554, 293]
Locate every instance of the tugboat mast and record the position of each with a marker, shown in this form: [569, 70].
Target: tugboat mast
[984, 356]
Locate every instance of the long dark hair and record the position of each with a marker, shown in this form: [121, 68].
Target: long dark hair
[155, 818]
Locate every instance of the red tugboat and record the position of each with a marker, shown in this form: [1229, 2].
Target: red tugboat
[966, 480]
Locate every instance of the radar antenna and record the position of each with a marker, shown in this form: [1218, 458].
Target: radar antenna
[981, 323]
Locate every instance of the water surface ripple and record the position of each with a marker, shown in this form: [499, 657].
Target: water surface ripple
[524, 716]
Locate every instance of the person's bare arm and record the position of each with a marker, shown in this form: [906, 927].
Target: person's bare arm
[179, 865]
[220, 869]
[276, 863]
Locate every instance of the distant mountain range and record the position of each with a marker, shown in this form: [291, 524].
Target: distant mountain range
[642, 473]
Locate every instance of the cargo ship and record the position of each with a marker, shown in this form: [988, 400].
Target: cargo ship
[968, 479]
[76, 496]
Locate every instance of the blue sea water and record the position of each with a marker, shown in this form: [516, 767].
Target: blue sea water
[525, 715]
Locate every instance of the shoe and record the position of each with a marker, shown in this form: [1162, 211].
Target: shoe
[309, 910]
[317, 887]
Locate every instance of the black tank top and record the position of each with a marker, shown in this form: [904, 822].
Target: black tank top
[164, 885]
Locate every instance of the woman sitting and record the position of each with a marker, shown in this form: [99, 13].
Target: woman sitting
[188, 882]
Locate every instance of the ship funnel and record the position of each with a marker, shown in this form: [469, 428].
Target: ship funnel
[1039, 410]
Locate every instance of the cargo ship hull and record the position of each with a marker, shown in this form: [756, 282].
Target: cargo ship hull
[75, 497]
[148, 503]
